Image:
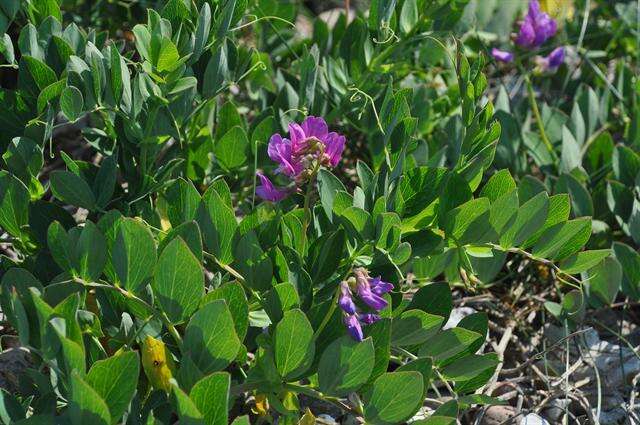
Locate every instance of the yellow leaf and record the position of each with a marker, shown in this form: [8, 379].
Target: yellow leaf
[307, 418]
[559, 9]
[157, 363]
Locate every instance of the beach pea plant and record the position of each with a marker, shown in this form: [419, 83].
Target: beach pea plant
[251, 225]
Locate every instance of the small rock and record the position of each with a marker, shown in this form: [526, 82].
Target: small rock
[496, 415]
[533, 419]
[13, 363]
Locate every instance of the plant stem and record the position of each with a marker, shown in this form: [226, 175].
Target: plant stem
[538, 118]
[327, 317]
[318, 395]
[160, 314]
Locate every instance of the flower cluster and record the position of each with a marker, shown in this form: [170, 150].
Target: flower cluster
[369, 290]
[310, 145]
[536, 28]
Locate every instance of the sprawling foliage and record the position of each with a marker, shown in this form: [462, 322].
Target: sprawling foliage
[214, 215]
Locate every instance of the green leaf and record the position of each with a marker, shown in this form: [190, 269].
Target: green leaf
[210, 339]
[394, 398]
[14, 204]
[236, 300]
[280, 298]
[164, 53]
[583, 261]
[414, 327]
[469, 367]
[563, 239]
[604, 280]
[325, 255]
[253, 263]
[529, 218]
[450, 344]
[60, 246]
[218, 224]
[380, 333]
[581, 203]
[182, 201]
[71, 103]
[72, 189]
[294, 345]
[500, 184]
[408, 15]
[468, 222]
[231, 149]
[211, 397]
[434, 298]
[85, 404]
[115, 380]
[328, 186]
[187, 410]
[178, 281]
[134, 254]
[629, 259]
[90, 252]
[345, 365]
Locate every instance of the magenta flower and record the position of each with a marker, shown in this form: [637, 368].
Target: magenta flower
[309, 145]
[536, 28]
[353, 327]
[502, 55]
[551, 62]
[268, 191]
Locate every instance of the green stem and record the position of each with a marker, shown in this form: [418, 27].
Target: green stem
[327, 317]
[160, 314]
[538, 118]
[318, 395]
[233, 272]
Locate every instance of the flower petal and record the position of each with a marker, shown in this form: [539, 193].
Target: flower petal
[315, 127]
[353, 327]
[502, 55]
[268, 191]
[345, 301]
[334, 146]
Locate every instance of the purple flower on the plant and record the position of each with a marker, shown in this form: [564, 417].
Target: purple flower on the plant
[309, 145]
[353, 327]
[379, 287]
[501, 55]
[553, 61]
[268, 191]
[536, 28]
[368, 318]
[365, 293]
[369, 290]
[345, 300]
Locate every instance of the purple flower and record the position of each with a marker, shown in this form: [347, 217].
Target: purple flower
[368, 318]
[365, 293]
[536, 28]
[551, 62]
[369, 290]
[309, 144]
[502, 55]
[268, 191]
[346, 301]
[379, 287]
[353, 327]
